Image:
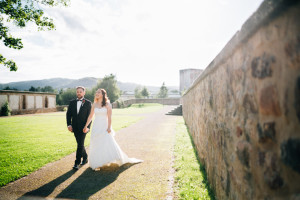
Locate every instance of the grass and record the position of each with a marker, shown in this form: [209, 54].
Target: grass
[190, 176]
[29, 142]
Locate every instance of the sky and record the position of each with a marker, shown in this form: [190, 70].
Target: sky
[140, 41]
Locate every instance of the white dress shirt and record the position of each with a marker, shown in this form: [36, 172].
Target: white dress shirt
[79, 105]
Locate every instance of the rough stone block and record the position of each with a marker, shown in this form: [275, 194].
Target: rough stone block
[239, 131]
[268, 102]
[243, 152]
[262, 66]
[297, 98]
[267, 133]
[250, 103]
[290, 153]
[273, 179]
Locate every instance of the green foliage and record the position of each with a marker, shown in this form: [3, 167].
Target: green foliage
[21, 12]
[163, 91]
[8, 88]
[109, 83]
[89, 94]
[137, 92]
[190, 176]
[120, 103]
[64, 97]
[5, 109]
[43, 89]
[145, 92]
[47, 89]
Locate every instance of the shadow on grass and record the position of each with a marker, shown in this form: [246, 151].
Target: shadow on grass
[87, 184]
[202, 168]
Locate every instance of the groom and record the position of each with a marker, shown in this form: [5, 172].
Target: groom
[77, 115]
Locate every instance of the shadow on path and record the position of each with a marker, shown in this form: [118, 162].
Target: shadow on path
[90, 182]
[84, 186]
[48, 188]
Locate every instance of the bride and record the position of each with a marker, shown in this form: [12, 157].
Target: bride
[104, 150]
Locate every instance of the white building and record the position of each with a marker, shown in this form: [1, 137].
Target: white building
[187, 77]
[23, 102]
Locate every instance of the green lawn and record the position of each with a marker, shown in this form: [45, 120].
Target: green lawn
[29, 142]
[190, 176]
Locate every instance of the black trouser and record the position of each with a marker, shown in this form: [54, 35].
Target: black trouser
[80, 153]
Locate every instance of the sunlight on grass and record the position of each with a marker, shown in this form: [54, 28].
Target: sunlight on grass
[190, 177]
[28, 142]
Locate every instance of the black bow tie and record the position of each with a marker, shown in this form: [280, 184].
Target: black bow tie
[79, 99]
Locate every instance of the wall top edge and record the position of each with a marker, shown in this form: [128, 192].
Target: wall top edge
[266, 13]
[190, 69]
[25, 92]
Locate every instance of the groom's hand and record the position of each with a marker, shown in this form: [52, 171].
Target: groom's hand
[70, 128]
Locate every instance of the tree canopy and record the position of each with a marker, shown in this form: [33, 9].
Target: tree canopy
[137, 92]
[20, 13]
[145, 92]
[163, 91]
[109, 83]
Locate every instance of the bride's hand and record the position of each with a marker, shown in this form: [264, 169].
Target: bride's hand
[108, 130]
[85, 129]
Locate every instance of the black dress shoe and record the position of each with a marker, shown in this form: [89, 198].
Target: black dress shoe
[75, 167]
[84, 162]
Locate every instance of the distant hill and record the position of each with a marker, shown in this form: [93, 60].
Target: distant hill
[64, 83]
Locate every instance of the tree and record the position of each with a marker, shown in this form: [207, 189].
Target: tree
[20, 13]
[163, 91]
[109, 83]
[145, 92]
[137, 92]
[59, 100]
[47, 89]
[5, 109]
[66, 96]
[32, 89]
[8, 88]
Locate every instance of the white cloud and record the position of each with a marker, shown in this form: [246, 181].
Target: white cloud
[140, 41]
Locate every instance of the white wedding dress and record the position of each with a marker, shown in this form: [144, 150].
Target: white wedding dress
[104, 150]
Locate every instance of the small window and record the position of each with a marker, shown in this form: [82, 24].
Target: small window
[23, 101]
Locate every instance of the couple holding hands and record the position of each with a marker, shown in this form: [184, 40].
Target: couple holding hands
[104, 150]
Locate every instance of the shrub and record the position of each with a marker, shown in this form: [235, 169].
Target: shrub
[120, 103]
[5, 109]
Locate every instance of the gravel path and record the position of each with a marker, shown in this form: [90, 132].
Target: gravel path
[150, 139]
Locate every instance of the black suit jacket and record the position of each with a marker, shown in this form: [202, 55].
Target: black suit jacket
[79, 120]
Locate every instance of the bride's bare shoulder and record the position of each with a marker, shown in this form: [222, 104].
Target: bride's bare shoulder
[108, 105]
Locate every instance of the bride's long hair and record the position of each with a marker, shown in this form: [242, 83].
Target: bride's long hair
[104, 100]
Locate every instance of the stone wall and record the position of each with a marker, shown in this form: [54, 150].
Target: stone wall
[168, 101]
[243, 111]
[23, 102]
